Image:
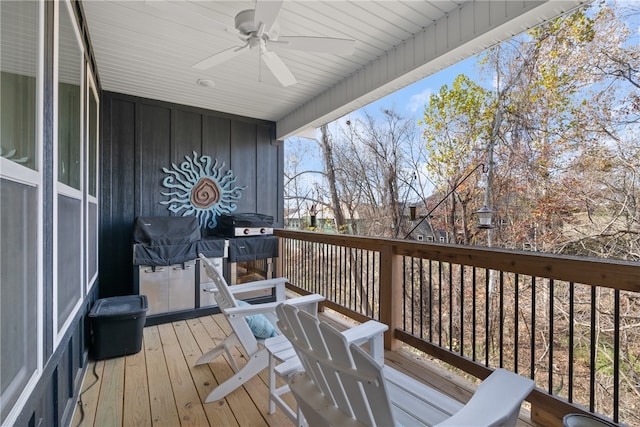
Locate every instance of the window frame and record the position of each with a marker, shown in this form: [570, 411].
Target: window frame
[91, 90]
[59, 188]
[15, 172]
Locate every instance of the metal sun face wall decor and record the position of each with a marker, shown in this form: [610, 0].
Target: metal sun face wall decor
[199, 188]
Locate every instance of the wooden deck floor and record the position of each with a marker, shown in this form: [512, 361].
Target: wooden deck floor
[160, 386]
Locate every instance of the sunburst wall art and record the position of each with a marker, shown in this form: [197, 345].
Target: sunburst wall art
[198, 187]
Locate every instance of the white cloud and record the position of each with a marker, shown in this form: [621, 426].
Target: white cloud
[419, 100]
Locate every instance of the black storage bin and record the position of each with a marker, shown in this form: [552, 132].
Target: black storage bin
[117, 325]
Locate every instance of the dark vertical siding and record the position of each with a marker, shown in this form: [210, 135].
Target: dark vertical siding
[140, 137]
[153, 152]
[187, 135]
[116, 202]
[244, 163]
[267, 165]
[216, 138]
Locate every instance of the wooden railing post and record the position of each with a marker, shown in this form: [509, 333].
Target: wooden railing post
[390, 294]
[280, 259]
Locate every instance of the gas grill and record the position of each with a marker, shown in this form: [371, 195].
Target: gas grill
[165, 253]
[245, 224]
[165, 250]
[252, 246]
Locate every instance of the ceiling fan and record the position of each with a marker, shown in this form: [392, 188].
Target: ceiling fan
[258, 29]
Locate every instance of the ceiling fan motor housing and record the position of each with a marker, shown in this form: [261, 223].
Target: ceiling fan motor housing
[244, 22]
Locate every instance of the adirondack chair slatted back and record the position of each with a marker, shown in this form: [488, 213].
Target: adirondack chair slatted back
[344, 373]
[343, 385]
[226, 300]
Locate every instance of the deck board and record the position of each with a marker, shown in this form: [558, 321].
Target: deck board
[203, 379]
[161, 397]
[247, 414]
[109, 410]
[161, 386]
[85, 413]
[188, 401]
[137, 410]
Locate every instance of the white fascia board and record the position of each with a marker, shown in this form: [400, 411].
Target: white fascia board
[473, 27]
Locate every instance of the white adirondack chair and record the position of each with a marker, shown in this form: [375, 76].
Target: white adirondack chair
[343, 386]
[370, 334]
[258, 357]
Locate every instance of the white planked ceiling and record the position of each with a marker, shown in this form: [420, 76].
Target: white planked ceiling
[147, 49]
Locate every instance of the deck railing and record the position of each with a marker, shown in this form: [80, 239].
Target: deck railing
[572, 324]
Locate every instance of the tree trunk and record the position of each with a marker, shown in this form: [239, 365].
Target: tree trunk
[325, 144]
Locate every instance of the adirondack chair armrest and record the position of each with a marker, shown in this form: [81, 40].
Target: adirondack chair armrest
[251, 309]
[306, 300]
[277, 283]
[364, 332]
[270, 307]
[370, 332]
[496, 402]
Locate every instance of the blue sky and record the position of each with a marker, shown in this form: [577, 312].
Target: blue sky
[411, 100]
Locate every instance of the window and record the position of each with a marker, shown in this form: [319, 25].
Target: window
[92, 182]
[69, 103]
[20, 184]
[18, 67]
[69, 207]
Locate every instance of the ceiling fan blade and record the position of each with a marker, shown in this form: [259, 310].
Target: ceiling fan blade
[219, 58]
[266, 13]
[278, 68]
[317, 44]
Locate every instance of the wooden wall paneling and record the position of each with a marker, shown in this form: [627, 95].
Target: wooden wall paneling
[153, 152]
[63, 383]
[216, 137]
[267, 170]
[117, 201]
[186, 135]
[44, 413]
[243, 163]
[280, 206]
[142, 136]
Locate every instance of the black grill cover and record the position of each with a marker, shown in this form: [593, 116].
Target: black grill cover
[166, 230]
[164, 255]
[227, 221]
[252, 248]
[211, 247]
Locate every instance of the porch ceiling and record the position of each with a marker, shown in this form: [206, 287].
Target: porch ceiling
[147, 49]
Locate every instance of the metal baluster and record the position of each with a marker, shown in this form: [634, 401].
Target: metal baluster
[413, 297]
[551, 326]
[421, 299]
[474, 319]
[571, 339]
[533, 327]
[501, 319]
[616, 355]
[450, 307]
[516, 322]
[486, 318]
[592, 373]
[440, 303]
[430, 301]
[461, 310]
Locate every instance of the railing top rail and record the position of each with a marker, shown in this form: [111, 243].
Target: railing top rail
[616, 274]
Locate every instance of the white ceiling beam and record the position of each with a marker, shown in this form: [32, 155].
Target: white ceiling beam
[469, 29]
